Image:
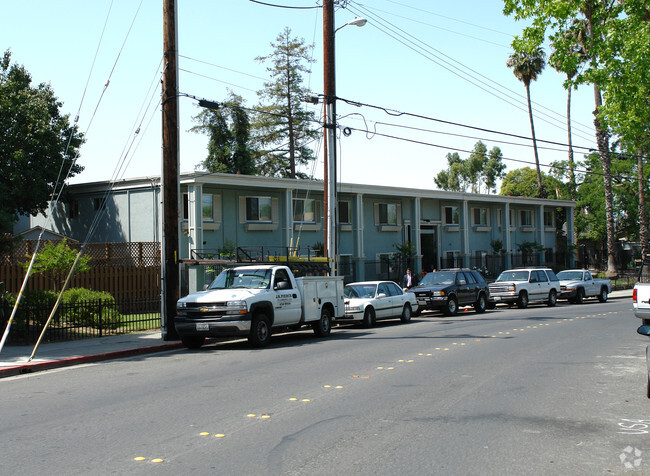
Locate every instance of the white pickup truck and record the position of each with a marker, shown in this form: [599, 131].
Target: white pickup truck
[578, 284]
[641, 305]
[252, 301]
[525, 285]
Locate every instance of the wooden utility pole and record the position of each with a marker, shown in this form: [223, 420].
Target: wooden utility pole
[169, 176]
[329, 177]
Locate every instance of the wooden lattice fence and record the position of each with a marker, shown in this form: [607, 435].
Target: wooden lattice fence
[126, 270]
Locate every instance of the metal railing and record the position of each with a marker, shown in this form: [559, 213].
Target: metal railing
[81, 320]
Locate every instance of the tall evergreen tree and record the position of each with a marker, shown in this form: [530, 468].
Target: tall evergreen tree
[283, 127]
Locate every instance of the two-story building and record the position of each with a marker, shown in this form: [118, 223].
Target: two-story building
[217, 211]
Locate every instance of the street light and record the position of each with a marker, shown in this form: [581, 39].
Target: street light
[358, 21]
[329, 83]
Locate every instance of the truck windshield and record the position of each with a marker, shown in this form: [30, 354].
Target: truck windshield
[570, 275]
[513, 276]
[242, 278]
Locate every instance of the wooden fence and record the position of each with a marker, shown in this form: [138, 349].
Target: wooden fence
[123, 282]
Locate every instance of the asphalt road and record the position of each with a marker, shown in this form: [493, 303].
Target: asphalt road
[542, 391]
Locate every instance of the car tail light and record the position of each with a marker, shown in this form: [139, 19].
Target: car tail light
[634, 295]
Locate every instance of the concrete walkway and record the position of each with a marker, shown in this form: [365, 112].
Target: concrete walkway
[14, 360]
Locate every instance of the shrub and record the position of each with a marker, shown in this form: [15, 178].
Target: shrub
[82, 307]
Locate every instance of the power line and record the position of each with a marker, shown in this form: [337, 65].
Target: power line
[446, 62]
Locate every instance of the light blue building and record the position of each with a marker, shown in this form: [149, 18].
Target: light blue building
[222, 210]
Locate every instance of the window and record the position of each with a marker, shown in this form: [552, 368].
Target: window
[479, 216]
[281, 276]
[452, 216]
[526, 218]
[383, 289]
[513, 216]
[345, 212]
[388, 214]
[258, 209]
[541, 276]
[207, 207]
[99, 204]
[394, 289]
[469, 277]
[548, 218]
[73, 209]
[499, 217]
[306, 210]
[186, 206]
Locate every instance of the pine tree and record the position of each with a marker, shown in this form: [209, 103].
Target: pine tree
[283, 128]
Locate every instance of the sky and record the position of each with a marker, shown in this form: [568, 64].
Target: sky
[424, 78]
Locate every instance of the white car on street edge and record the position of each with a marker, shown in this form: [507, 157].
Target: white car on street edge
[371, 301]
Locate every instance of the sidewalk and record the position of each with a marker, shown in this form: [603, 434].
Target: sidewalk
[14, 359]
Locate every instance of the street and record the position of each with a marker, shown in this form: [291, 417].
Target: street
[543, 391]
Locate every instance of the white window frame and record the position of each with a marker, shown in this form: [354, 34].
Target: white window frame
[483, 213]
[391, 214]
[250, 219]
[348, 217]
[315, 204]
[550, 213]
[207, 217]
[453, 215]
[526, 223]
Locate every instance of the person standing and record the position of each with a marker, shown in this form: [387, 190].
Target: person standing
[409, 280]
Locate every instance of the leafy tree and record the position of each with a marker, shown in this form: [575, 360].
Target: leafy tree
[523, 183]
[284, 129]
[480, 168]
[454, 178]
[57, 260]
[609, 35]
[230, 147]
[37, 144]
[527, 63]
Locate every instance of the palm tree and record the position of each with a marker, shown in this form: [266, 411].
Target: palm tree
[527, 66]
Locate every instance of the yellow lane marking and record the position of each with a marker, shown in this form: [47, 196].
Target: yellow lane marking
[140, 458]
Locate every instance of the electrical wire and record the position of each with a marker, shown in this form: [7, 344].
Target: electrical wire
[457, 68]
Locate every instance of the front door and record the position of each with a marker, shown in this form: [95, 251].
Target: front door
[429, 248]
[287, 300]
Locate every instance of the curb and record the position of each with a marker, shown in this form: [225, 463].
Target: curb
[67, 362]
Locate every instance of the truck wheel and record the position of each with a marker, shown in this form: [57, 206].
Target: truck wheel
[323, 326]
[193, 342]
[451, 307]
[369, 317]
[406, 313]
[481, 304]
[552, 298]
[260, 331]
[602, 297]
[580, 296]
[522, 301]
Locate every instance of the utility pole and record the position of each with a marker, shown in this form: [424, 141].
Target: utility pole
[169, 177]
[329, 177]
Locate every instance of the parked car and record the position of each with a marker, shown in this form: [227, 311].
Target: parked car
[526, 285]
[449, 289]
[641, 305]
[371, 301]
[578, 284]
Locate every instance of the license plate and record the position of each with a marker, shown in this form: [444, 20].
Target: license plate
[497, 298]
[202, 326]
[421, 302]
